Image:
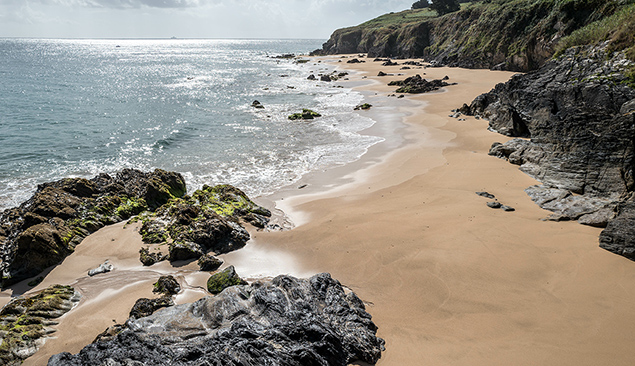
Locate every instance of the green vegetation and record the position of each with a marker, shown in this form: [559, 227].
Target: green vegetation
[445, 6]
[511, 34]
[618, 29]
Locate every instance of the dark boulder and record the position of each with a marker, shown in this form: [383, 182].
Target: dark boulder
[416, 85]
[182, 251]
[145, 307]
[208, 262]
[167, 286]
[149, 258]
[285, 321]
[224, 279]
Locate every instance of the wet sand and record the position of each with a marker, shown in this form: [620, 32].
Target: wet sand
[448, 280]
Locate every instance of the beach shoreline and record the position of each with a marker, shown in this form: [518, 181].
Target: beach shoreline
[447, 279]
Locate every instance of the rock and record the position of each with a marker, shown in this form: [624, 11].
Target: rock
[389, 63]
[209, 220]
[143, 308]
[181, 251]
[381, 73]
[256, 104]
[305, 114]
[494, 204]
[149, 258]
[486, 195]
[405, 68]
[167, 286]
[208, 262]
[364, 106]
[285, 321]
[25, 322]
[224, 279]
[619, 235]
[103, 268]
[325, 78]
[311, 77]
[354, 61]
[567, 206]
[400, 96]
[416, 84]
[507, 208]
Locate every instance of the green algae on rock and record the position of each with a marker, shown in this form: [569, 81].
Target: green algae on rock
[305, 114]
[45, 229]
[24, 322]
[224, 279]
[209, 220]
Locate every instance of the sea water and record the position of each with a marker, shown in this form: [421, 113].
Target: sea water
[76, 108]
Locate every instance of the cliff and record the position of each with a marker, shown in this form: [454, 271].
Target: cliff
[518, 35]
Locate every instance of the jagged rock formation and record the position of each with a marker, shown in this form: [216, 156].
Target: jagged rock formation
[500, 34]
[577, 117]
[45, 229]
[25, 322]
[286, 321]
[209, 220]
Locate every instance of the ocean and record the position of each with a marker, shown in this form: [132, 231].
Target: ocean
[76, 108]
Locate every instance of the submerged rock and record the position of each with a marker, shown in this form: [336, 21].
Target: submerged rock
[305, 114]
[45, 229]
[285, 321]
[25, 322]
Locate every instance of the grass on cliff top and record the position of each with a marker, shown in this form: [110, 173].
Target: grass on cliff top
[400, 18]
[618, 28]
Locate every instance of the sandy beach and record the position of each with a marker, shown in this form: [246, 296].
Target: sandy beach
[448, 280]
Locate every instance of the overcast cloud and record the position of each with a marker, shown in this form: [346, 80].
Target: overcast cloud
[187, 18]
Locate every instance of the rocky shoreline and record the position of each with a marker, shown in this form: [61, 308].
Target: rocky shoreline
[41, 232]
[574, 122]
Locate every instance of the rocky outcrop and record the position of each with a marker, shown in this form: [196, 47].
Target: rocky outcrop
[46, 228]
[209, 220]
[285, 321]
[26, 322]
[497, 34]
[577, 130]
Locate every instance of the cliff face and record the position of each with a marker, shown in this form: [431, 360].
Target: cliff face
[517, 35]
[576, 120]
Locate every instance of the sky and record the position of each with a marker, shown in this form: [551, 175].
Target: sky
[187, 18]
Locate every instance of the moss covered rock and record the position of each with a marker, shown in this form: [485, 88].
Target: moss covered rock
[26, 320]
[149, 258]
[167, 286]
[45, 229]
[223, 279]
[305, 114]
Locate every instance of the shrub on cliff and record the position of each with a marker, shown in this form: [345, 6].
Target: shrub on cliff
[445, 6]
[420, 4]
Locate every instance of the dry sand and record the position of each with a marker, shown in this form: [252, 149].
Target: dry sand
[448, 280]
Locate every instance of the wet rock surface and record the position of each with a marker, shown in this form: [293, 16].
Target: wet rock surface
[575, 130]
[25, 322]
[221, 280]
[285, 321]
[45, 229]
